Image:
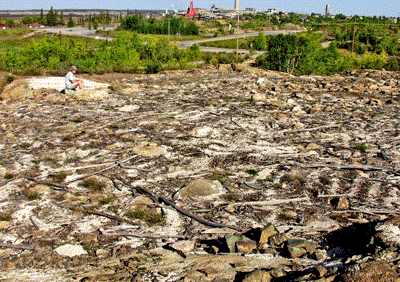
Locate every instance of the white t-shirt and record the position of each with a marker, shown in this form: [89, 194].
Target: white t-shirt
[69, 78]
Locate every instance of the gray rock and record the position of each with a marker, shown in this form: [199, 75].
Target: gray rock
[231, 241]
[297, 246]
[201, 187]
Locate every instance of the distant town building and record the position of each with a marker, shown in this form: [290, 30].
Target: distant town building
[236, 7]
[328, 12]
[271, 11]
[191, 11]
[250, 9]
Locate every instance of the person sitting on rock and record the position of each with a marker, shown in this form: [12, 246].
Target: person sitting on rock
[71, 82]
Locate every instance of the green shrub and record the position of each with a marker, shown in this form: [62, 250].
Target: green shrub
[361, 147]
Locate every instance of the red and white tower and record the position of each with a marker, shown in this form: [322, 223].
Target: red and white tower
[191, 12]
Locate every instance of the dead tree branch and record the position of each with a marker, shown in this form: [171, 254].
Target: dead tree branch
[169, 202]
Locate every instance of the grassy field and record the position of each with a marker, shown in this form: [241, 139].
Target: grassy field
[116, 33]
[14, 32]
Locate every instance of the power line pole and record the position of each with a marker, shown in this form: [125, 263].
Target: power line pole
[354, 34]
[169, 27]
[238, 24]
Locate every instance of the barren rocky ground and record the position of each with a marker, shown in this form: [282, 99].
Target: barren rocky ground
[233, 174]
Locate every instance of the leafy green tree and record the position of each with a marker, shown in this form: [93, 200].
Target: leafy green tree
[51, 17]
[27, 20]
[10, 22]
[167, 25]
[340, 17]
[261, 41]
[62, 21]
[71, 22]
[284, 53]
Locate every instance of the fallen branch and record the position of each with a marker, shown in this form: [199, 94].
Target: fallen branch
[374, 179]
[103, 170]
[237, 123]
[375, 211]
[273, 202]
[55, 186]
[308, 129]
[168, 202]
[143, 235]
[351, 167]
[6, 182]
[336, 195]
[252, 186]
[110, 216]
[34, 223]
[83, 167]
[19, 246]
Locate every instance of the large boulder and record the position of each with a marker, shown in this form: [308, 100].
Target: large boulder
[17, 90]
[46, 87]
[201, 187]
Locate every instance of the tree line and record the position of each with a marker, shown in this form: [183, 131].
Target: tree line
[165, 25]
[54, 18]
[304, 54]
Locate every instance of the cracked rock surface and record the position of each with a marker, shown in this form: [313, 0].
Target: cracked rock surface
[203, 175]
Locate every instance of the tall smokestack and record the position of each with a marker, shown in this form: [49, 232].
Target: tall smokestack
[236, 5]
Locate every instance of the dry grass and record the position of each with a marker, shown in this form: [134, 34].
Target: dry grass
[147, 216]
[59, 177]
[93, 184]
[30, 194]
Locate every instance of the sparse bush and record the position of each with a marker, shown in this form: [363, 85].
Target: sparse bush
[8, 176]
[93, 184]
[9, 79]
[148, 216]
[295, 180]
[25, 145]
[252, 172]
[77, 120]
[59, 177]
[361, 147]
[5, 217]
[31, 194]
[106, 200]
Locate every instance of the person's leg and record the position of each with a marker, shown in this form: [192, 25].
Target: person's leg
[79, 83]
[71, 87]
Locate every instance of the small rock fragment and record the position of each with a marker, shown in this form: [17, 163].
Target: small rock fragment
[340, 203]
[69, 250]
[267, 232]
[246, 246]
[183, 246]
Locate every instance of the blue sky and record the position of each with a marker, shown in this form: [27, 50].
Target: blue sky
[347, 7]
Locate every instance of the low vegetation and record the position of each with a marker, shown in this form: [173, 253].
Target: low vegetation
[93, 184]
[148, 216]
[141, 45]
[127, 53]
